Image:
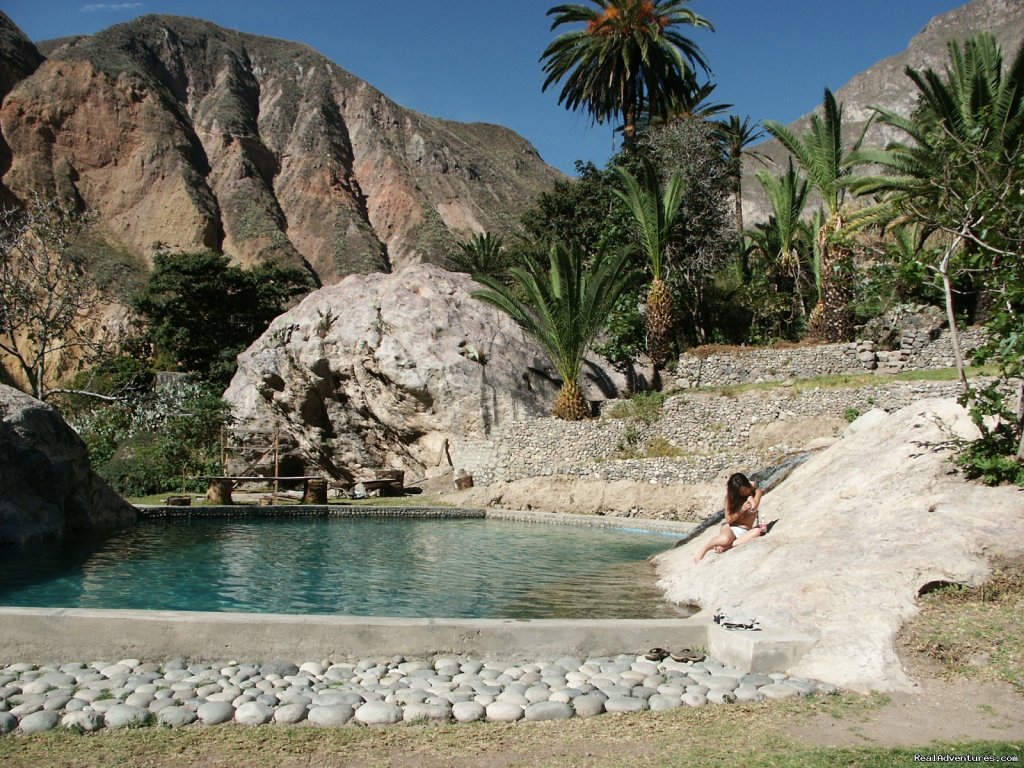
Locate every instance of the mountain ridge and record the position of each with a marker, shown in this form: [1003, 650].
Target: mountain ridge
[884, 84]
[185, 135]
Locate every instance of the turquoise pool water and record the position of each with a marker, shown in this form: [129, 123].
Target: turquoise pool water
[349, 566]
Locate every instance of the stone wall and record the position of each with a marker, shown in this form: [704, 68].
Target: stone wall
[918, 350]
[703, 435]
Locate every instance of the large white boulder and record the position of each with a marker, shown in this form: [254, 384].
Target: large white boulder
[379, 370]
[861, 528]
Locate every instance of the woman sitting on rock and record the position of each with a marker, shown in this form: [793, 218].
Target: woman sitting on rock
[742, 499]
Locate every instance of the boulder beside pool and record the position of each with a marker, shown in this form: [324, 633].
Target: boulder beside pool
[48, 484]
[862, 527]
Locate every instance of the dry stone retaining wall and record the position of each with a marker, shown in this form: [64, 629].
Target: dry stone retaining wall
[917, 351]
[711, 433]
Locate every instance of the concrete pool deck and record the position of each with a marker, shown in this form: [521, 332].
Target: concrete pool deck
[44, 634]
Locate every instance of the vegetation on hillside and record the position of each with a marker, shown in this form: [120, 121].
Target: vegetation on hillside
[942, 223]
[649, 255]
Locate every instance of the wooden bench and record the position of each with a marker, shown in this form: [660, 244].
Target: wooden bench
[219, 488]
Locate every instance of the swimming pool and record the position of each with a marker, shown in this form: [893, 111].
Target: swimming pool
[350, 566]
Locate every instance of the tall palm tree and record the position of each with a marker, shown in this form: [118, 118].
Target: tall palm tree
[736, 136]
[787, 195]
[977, 110]
[692, 102]
[628, 57]
[654, 212]
[563, 308]
[822, 156]
[962, 163]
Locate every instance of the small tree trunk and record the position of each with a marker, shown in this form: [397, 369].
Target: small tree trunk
[1020, 422]
[660, 320]
[951, 315]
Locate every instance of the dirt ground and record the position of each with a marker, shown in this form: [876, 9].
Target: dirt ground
[942, 710]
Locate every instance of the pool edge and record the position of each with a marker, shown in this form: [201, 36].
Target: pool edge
[84, 634]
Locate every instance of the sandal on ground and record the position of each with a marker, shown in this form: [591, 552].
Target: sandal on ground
[736, 622]
[688, 656]
[656, 654]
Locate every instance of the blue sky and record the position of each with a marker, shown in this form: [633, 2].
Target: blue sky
[478, 60]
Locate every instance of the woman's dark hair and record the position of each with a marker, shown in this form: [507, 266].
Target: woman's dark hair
[735, 484]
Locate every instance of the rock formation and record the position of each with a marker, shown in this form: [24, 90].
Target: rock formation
[885, 85]
[380, 370]
[182, 135]
[47, 484]
[861, 528]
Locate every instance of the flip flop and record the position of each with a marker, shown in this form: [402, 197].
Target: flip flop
[656, 654]
[688, 656]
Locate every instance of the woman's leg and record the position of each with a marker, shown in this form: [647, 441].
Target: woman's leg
[720, 543]
[754, 533]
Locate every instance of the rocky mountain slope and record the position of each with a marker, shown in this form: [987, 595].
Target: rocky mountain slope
[182, 135]
[885, 84]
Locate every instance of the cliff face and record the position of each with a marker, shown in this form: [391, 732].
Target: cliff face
[885, 85]
[184, 135]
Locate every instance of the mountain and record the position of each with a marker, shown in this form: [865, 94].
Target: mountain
[181, 135]
[886, 85]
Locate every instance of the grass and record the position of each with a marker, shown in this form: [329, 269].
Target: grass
[974, 632]
[705, 736]
[845, 381]
[643, 406]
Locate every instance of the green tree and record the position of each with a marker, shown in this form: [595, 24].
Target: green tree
[654, 210]
[49, 304]
[628, 58]
[736, 135]
[158, 441]
[703, 241]
[822, 155]
[202, 312]
[583, 210]
[563, 308]
[783, 247]
[961, 176]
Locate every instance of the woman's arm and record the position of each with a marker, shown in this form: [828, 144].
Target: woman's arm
[755, 500]
[732, 516]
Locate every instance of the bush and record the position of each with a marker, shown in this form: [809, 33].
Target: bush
[159, 442]
[643, 406]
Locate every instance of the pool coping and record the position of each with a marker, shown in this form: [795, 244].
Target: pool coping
[637, 524]
[47, 634]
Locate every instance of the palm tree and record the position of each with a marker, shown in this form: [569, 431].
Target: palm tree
[691, 102]
[736, 136]
[629, 57]
[962, 163]
[483, 254]
[821, 155]
[654, 215]
[564, 308]
[783, 232]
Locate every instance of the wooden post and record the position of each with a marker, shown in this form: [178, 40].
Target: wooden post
[277, 470]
